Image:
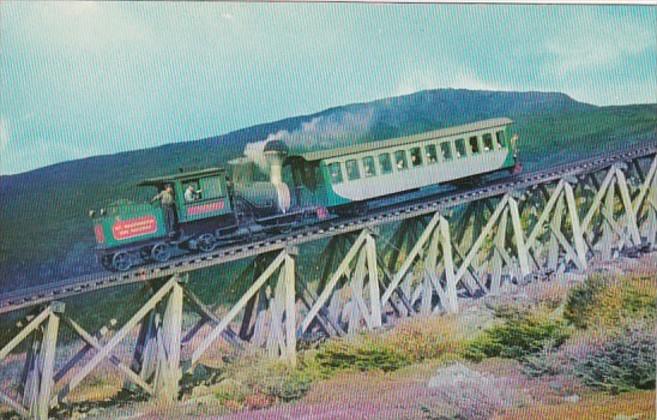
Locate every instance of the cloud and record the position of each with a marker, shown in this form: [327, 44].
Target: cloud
[227, 16]
[589, 43]
[81, 26]
[5, 133]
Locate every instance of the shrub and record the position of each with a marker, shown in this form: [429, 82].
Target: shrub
[522, 333]
[424, 338]
[544, 362]
[582, 299]
[257, 379]
[230, 393]
[625, 361]
[606, 303]
[363, 355]
[288, 386]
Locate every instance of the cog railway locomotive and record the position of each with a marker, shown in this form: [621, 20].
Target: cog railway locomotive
[272, 190]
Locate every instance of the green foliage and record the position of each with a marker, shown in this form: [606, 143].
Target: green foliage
[229, 390]
[607, 303]
[259, 375]
[623, 362]
[425, 338]
[582, 300]
[366, 355]
[521, 334]
[544, 362]
[287, 384]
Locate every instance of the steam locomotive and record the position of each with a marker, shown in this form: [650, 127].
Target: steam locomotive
[272, 189]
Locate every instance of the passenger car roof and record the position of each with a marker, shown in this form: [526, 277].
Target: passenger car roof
[427, 135]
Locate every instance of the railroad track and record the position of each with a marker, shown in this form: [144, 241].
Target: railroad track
[22, 298]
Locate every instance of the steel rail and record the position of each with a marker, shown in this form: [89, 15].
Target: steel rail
[26, 297]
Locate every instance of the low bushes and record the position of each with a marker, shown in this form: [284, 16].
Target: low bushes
[364, 355]
[614, 346]
[622, 362]
[605, 303]
[426, 338]
[521, 334]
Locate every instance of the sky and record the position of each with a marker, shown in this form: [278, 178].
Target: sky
[80, 78]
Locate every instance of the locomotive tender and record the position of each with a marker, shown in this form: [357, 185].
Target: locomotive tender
[272, 190]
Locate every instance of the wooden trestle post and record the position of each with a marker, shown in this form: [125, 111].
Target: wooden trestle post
[346, 303]
[38, 373]
[275, 324]
[168, 373]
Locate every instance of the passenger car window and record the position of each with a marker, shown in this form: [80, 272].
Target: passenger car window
[446, 150]
[460, 148]
[385, 163]
[432, 155]
[352, 169]
[416, 156]
[335, 171]
[474, 144]
[501, 140]
[368, 167]
[488, 142]
[400, 160]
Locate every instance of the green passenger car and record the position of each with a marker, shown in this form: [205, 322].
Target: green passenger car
[381, 168]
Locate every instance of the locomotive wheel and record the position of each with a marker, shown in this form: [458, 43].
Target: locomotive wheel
[207, 242]
[161, 252]
[121, 261]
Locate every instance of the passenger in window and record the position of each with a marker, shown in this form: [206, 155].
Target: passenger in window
[432, 156]
[336, 173]
[191, 194]
[499, 136]
[488, 142]
[474, 145]
[400, 159]
[368, 167]
[416, 156]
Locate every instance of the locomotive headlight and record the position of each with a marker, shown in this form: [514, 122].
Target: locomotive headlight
[102, 212]
[92, 214]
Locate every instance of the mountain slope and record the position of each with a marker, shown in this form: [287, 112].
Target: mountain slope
[45, 234]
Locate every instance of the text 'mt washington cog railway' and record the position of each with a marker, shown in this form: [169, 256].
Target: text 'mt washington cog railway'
[273, 190]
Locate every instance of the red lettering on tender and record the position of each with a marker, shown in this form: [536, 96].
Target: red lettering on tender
[140, 226]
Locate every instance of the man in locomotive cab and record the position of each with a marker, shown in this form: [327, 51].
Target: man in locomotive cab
[192, 194]
[168, 204]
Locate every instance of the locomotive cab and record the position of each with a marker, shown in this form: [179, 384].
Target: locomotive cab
[127, 233]
[210, 197]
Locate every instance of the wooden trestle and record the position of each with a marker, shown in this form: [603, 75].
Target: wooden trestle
[429, 265]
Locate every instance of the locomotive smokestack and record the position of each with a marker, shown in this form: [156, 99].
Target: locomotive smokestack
[275, 152]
